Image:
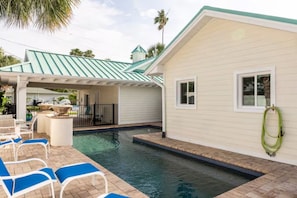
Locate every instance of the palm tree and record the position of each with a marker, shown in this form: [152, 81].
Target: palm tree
[6, 59]
[161, 19]
[76, 52]
[155, 50]
[89, 53]
[45, 14]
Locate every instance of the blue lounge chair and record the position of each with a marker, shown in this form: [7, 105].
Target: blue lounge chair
[68, 173]
[28, 128]
[12, 134]
[10, 142]
[21, 184]
[112, 195]
[36, 141]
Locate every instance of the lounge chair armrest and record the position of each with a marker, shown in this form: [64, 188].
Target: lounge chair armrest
[26, 160]
[7, 127]
[13, 177]
[8, 135]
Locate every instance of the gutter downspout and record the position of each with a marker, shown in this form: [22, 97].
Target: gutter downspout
[163, 106]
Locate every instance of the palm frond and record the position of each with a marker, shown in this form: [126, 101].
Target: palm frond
[45, 14]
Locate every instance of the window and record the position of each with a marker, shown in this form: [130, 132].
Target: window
[254, 90]
[186, 93]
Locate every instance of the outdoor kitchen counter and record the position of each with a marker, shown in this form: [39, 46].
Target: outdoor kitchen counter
[60, 130]
[42, 119]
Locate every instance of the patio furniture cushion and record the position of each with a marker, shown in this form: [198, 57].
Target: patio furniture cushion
[112, 195]
[10, 141]
[70, 172]
[33, 179]
[21, 184]
[34, 141]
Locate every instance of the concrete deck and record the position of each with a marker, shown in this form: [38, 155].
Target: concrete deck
[279, 180]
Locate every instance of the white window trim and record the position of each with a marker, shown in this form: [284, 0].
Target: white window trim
[177, 103]
[237, 88]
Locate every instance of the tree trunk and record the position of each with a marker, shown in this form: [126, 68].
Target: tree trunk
[163, 36]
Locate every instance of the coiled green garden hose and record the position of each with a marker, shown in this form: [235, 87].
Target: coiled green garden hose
[271, 149]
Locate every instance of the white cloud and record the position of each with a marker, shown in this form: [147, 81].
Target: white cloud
[113, 28]
[92, 14]
[150, 13]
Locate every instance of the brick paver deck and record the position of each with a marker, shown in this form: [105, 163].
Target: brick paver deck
[64, 155]
[279, 180]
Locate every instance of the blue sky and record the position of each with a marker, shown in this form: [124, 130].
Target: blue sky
[113, 28]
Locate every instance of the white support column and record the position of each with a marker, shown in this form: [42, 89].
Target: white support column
[21, 96]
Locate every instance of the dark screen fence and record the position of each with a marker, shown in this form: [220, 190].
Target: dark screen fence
[94, 115]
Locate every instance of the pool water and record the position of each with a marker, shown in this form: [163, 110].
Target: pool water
[153, 171]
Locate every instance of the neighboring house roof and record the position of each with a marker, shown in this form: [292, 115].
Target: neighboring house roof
[52, 64]
[205, 15]
[138, 49]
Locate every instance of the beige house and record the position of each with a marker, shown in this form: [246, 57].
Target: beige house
[220, 73]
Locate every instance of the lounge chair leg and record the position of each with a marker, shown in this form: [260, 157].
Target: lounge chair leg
[17, 153]
[106, 184]
[93, 180]
[14, 153]
[51, 190]
[45, 150]
[62, 190]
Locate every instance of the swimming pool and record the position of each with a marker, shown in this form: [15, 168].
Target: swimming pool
[153, 171]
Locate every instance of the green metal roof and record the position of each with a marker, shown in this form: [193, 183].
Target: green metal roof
[249, 14]
[139, 49]
[66, 65]
[140, 66]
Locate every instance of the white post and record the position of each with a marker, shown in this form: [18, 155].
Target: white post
[21, 98]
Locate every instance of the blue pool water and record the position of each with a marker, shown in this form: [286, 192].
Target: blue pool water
[153, 171]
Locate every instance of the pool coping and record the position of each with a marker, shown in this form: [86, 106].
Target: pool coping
[235, 168]
[276, 179]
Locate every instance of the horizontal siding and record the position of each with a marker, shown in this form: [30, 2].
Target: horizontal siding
[108, 95]
[213, 55]
[139, 105]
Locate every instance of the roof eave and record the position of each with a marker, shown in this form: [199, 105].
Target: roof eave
[11, 77]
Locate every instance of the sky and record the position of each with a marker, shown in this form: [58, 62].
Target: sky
[113, 28]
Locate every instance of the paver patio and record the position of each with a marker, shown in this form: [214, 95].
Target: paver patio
[60, 156]
[279, 180]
